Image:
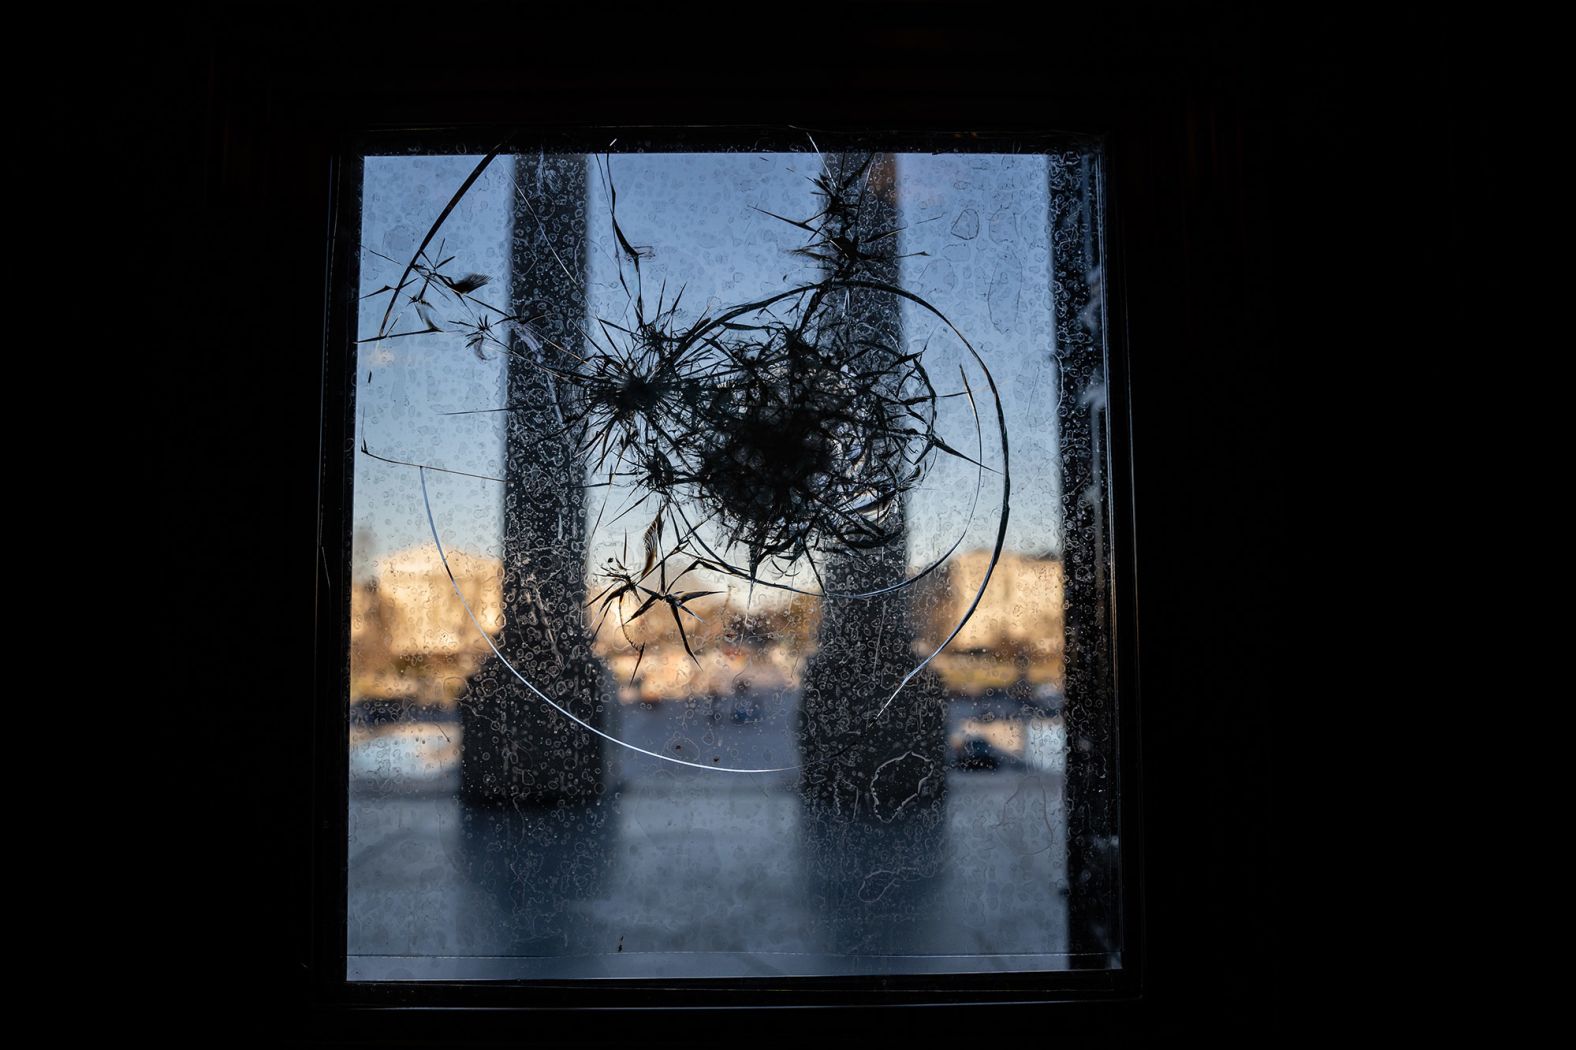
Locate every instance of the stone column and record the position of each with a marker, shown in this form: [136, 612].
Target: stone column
[1089, 711]
[895, 768]
[516, 747]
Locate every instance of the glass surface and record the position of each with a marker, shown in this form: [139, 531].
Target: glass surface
[716, 551]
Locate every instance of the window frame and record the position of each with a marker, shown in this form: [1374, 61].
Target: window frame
[334, 614]
[282, 109]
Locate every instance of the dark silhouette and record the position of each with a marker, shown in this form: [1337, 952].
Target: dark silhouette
[516, 747]
[855, 765]
[1094, 918]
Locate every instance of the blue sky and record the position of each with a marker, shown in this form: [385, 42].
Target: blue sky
[976, 233]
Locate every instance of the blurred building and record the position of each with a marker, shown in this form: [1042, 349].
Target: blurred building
[763, 649]
[1013, 638]
[411, 638]
[413, 641]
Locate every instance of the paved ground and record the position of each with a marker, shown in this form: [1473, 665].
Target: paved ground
[689, 873]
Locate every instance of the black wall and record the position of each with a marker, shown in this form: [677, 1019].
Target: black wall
[1221, 128]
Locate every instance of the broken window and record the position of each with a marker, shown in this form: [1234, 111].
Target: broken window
[731, 568]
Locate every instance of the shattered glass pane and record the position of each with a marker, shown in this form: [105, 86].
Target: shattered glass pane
[728, 564]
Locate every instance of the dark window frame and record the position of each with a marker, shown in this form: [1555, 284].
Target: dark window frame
[281, 110]
[334, 613]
